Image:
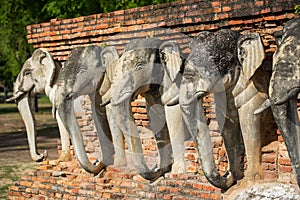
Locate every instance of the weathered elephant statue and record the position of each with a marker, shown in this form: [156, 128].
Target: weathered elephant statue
[226, 64]
[284, 89]
[38, 76]
[149, 66]
[84, 74]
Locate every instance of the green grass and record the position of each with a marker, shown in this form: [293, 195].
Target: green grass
[43, 100]
[11, 173]
[11, 122]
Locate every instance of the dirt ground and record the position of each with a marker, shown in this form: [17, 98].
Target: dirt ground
[14, 146]
[13, 139]
[15, 158]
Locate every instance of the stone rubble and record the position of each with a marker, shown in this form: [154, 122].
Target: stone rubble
[270, 191]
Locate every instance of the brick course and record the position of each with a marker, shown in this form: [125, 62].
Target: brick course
[165, 21]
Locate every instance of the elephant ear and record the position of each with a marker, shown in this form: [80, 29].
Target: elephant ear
[43, 59]
[250, 53]
[171, 58]
[172, 61]
[109, 57]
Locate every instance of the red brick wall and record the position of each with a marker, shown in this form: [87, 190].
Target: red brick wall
[189, 17]
[165, 21]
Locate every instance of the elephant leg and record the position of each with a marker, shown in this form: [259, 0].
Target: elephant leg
[252, 131]
[118, 139]
[65, 141]
[102, 128]
[228, 121]
[157, 117]
[286, 117]
[177, 132]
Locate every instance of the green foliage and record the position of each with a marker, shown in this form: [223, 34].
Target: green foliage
[297, 9]
[76, 8]
[15, 15]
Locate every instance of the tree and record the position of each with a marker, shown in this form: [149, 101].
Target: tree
[76, 8]
[297, 9]
[15, 15]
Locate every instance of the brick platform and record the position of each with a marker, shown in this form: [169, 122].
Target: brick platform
[66, 180]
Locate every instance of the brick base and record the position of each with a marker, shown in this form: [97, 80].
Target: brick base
[66, 180]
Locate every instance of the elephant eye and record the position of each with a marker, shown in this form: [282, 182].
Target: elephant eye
[27, 72]
[139, 66]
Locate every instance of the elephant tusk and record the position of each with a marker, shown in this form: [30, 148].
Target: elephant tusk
[106, 97]
[266, 104]
[17, 95]
[105, 103]
[289, 95]
[123, 98]
[173, 102]
[198, 95]
[169, 95]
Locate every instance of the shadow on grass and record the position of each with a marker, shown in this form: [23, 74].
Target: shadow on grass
[18, 140]
[12, 108]
[8, 108]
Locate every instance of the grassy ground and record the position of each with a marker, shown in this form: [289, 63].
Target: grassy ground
[14, 154]
[10, 173]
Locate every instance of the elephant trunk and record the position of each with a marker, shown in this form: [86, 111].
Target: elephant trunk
[287, 119]
[129, 128]
[293, 92]
[193, 115]
[25, 109]
[67, 115]
[16, 96]
[106, 98]
[170, 97]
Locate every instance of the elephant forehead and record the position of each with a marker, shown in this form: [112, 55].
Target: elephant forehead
[151, 43]
[216, 53]
[200, 61]
[26, 66]
[130, 58]
[68, 73]
[72, 67]
[288, 52]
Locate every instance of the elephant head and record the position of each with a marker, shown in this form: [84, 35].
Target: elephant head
[285, 82]
[83, 74]
[140, 70]
[215, 66]
[284, 89]
[37, 76]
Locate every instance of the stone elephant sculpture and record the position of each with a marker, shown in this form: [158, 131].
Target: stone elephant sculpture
[149, 66]
[38, 76]
[226, 64]
[83, 74]
[284, 89]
